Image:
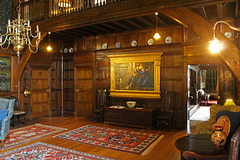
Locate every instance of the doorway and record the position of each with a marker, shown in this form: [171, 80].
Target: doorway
[202, 90]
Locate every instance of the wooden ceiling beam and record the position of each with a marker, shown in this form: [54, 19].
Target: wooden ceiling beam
[100, 28]
[161, 22]
[94, 31]
[237, 8]
[75, 33]
[198, 4]
[220, 11]
[111, 27]
[146, 21]
[203, 12]
[68, 34]
[122, 25]
[81, 31]
[133, 23]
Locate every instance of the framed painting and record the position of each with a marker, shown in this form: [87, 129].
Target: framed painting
[135, 75]
[5, 74]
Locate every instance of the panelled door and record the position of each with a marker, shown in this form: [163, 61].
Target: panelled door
[40, 99]
[84, 92]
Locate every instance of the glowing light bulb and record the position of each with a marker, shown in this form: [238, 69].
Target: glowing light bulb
[156, 36]
[215, 45]
[49, 48]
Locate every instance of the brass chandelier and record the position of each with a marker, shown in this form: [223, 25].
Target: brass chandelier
[19, 34]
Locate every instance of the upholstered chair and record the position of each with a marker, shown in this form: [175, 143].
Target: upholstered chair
[6, 110]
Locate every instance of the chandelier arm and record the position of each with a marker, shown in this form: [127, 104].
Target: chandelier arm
[4, 34]
[34, 36]
[6, 47]
[6, 38]
[34, 46]
[36, 49]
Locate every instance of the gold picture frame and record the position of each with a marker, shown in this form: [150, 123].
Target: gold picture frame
[135, 75]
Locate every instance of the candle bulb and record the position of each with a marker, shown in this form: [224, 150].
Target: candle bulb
[8, 22]
[37, 29]
[28, 23]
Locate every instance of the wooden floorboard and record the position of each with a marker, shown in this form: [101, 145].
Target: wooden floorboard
[164, 150]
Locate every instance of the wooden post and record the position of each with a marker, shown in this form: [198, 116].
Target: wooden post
[47, 7]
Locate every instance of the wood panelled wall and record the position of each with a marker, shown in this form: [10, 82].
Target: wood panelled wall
[171, 65]
[89, 54]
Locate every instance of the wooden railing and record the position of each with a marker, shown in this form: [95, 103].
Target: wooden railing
[37, 10]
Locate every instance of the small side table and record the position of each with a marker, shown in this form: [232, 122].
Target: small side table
[18, 117]
[201, 145]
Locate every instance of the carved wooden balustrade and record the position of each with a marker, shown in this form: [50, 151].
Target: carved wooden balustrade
[37, 10]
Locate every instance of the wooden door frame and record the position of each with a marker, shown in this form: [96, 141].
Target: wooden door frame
[194, 61]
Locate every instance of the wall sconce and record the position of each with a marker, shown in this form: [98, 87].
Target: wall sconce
[229, 102]
[156, 35]
[49, 48]
[215, 45]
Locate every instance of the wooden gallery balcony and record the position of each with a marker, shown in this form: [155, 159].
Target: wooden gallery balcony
[59, 15]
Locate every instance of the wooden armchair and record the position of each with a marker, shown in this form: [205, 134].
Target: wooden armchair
[98, 113]
[166, 112]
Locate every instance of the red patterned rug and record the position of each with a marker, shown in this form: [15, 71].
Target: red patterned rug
[45, 151]
[29, 133]
[134, 142]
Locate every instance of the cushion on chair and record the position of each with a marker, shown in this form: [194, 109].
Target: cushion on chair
[3, 114]
[234, 118]
[214, 109]
[4, 105]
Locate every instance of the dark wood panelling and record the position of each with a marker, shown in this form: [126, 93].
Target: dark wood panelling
[68, 84]
[140, 36]
[171, 64]
[227, 85]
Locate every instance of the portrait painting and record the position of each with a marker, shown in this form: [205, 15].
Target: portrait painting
[135, 75]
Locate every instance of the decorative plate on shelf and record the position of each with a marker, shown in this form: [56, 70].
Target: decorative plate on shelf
[104, 46]
[71, 50]
[118, 45]
[168, 40]
[228, 34]
[134, 43]
[65, 50]
[150, 42]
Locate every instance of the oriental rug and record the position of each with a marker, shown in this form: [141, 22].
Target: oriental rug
[29, 133]
[46, 151]
[123, 140]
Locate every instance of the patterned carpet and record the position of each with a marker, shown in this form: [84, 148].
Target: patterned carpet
[45, 151]
[29, 133]
[123, 140]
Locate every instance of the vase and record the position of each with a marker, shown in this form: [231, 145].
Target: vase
[218, 138]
